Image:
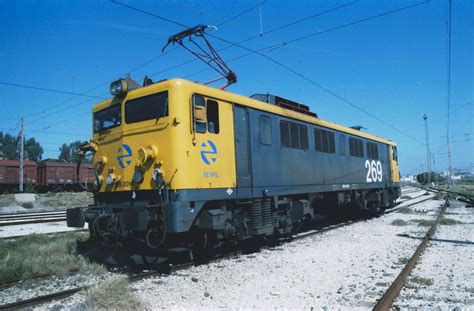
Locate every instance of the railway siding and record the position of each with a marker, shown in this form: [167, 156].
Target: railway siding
[350, 266]
[444, 276]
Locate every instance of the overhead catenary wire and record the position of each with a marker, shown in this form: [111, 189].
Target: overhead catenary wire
[105, 83]
[312, 16]
[173, 67]
[53, 132]
[240, 14]
[390, 12]
[166, 52]
[327, 90]
[48, 89]
[267, 32]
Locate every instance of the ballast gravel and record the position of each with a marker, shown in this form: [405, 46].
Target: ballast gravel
[346, 268]
[444, 277]
[349, 267]
[41, 228]
[35, 288]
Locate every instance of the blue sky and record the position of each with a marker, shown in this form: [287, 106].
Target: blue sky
[393, 67]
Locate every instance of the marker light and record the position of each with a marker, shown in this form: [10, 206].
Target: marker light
[137, 176]
[157, 174]
[110, 179]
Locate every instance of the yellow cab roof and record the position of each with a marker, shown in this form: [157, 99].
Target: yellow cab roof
[244, 101]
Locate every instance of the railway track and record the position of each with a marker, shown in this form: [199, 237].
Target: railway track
[392, 292]
[321, 228]
[31, 218]
[13, 237]
[463, 197]
[411, 191]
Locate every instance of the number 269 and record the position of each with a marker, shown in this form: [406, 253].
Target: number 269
[374, 171]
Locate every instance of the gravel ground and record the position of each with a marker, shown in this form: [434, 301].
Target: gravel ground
[349, 267]
[34, 288]
[51, 201]
[448, 263]
[48, 227]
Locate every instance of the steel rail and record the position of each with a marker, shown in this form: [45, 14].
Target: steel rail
[31, 218]
[351, 222]
[467, 196]
[18, 215]
[31, 221]
[392, 292]
[35, 301]
[64, 294]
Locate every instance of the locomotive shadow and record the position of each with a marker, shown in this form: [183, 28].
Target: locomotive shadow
[125, 258]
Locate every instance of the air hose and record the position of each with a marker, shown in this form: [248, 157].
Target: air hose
[84, 148]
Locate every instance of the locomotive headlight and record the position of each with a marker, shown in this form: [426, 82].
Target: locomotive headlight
[137, 176]
[144, 154]
[110, 179]
[118, 87]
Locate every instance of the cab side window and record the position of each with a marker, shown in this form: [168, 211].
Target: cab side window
[205, 115]
[212, 116]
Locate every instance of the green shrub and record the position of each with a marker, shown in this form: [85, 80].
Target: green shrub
[405, 210]
[424, 222]
[27, 205]
[399, 222]
[35, 254]
[113, 294]
[449, 221]
[422, 281]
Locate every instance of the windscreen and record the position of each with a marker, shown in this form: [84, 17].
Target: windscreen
[145, 108]
[107, 118]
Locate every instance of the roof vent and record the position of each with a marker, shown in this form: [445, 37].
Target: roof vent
[284, 103]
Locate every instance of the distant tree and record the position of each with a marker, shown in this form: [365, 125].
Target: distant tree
[33, 150]
[9, 146]
[75, 148]
[65, 153]
[427, 177]
[70, 152]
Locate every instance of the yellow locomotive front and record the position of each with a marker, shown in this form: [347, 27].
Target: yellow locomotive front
[155, 148]
[132, 138]
[151, 138]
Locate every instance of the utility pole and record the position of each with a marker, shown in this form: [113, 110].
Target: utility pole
[428, 152]
[22, 153]
[448, 29]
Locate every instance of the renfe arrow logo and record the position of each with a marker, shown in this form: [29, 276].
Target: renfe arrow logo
[128, 154]
[207, 154]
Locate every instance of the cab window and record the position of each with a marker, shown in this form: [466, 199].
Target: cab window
[395, 154]
[149, 107]
[107, 118]
[206, 115]
[212, 113]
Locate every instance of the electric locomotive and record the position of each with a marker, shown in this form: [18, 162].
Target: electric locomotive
[182, 166]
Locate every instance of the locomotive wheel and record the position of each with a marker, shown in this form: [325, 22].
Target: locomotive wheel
[203, 245]
[154, 238]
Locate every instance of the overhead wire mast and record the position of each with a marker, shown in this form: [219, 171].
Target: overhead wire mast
[208, 55]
